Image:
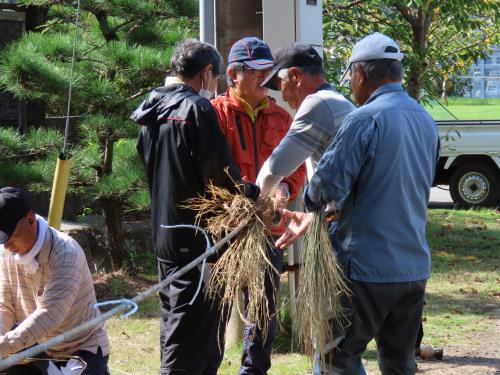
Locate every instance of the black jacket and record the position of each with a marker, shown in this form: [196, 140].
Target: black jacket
[182, 149]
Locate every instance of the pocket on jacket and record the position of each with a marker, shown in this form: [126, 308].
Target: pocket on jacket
[272, 138]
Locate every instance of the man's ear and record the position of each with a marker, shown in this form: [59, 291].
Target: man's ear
[207, 72]
[231, 73]
[294, 74]
[31, 217]
[361, 73]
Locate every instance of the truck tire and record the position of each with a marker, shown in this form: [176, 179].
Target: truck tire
[475, 185]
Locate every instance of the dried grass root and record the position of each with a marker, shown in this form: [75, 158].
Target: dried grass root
[245, 263]
[321, 287]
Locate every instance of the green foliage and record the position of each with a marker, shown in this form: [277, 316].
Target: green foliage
[36, 143]
[123, 50]
[440, 38]
[127, 172]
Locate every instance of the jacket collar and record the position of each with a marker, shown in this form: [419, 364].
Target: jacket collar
[43, 256]
[159, 101]
[384, 89]
[233, 103]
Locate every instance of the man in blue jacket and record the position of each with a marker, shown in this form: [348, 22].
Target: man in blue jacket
[377, 173]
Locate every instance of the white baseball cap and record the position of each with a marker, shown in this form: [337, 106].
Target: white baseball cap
[375, 46]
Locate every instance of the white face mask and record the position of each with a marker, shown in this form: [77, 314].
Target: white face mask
[207, 94]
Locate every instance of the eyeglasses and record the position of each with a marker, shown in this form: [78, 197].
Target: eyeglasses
[259, 72]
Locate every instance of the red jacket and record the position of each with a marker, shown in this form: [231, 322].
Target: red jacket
[251, 144]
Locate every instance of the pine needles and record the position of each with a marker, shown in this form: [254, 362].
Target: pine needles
[245, 263]
[321, 286]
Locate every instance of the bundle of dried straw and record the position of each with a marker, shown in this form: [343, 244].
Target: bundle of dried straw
[245, 263]
[321, 286]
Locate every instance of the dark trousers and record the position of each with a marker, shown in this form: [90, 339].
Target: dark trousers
[190, 340]
[388, 312]
[256, 355]
[97, 364]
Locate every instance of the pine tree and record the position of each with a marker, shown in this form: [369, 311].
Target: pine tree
[123, 51]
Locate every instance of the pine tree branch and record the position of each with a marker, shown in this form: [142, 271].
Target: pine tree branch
[107, 32]
[140, 93]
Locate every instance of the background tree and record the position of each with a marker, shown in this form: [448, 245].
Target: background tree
[123, 51]
[440, 38]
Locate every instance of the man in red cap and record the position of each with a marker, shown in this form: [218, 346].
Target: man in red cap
[45, 289]
[253, 125]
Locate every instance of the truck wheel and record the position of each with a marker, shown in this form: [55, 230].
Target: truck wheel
[475, 185]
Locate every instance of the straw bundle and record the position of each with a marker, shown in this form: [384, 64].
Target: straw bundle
[245, 263]
[321, 286]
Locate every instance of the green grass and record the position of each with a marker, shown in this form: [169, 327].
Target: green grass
[466, 109]
[465, 281]
[464, 287]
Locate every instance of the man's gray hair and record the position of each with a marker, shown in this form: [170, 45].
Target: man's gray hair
[313, 71]
[383, 68]
[191, 56]
[284, 74]
[238, 68]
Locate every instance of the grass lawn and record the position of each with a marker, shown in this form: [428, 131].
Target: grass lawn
[464, 287]
[466, 109]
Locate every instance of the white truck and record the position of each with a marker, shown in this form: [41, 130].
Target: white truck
[470, 161]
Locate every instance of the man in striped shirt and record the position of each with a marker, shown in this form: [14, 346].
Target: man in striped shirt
[298, 73]
[45, 289]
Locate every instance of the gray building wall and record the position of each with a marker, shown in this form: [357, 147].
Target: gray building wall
[484, 77]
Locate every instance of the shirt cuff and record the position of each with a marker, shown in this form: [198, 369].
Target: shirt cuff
[308, 202]
[5, 348]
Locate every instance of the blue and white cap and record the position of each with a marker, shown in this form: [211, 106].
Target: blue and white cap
[253, 52]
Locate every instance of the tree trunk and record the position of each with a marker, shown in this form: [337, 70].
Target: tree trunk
[444, 94]
[420, 21]
[111, 211]
[415, 84]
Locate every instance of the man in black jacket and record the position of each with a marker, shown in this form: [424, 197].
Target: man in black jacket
[183, 150]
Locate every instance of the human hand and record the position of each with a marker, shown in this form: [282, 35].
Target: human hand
[299, 221]
[281, 195]
[250, 190]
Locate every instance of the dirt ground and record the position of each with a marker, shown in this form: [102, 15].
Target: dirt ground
[480, 357]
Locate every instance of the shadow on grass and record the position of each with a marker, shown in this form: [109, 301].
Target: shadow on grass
[469, 303]
[464, 240]
[465, 360]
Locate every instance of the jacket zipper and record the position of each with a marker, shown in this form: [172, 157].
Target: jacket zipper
[240, 132]
[256, 155]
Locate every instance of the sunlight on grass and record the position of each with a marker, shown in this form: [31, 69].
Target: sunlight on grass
[134, 346]
[466, 109]
[463, 290]
[465, 285]
[291, 364]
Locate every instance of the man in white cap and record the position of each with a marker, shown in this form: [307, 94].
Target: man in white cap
[377, 173]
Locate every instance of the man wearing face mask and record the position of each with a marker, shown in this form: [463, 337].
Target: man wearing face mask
[45, 290]
[183, 150]
[253, 125]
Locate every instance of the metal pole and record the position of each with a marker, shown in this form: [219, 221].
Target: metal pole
[33, 351]
[207, 30]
